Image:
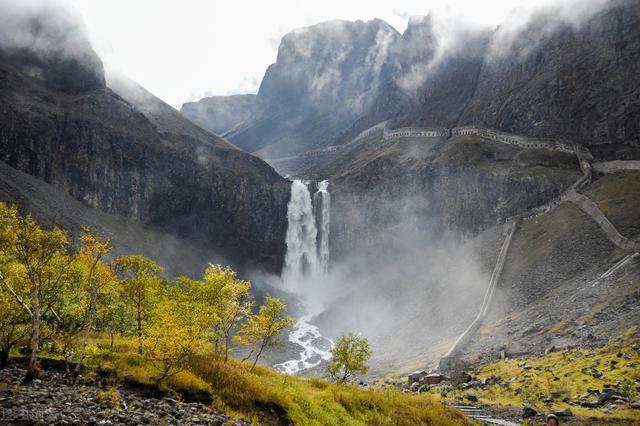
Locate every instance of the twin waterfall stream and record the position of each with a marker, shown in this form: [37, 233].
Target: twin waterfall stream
[306, 265]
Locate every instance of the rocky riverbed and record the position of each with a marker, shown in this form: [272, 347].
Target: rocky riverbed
[50, 400]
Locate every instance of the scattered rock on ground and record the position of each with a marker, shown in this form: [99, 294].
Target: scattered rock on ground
[563, 413]
[49, 400]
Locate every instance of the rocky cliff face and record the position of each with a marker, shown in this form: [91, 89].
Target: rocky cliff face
[552, 77]
[49, 45]
[324, 78]
[138, 157]
[220, 114]
[462, 184]
[564, 77]
[578, 82]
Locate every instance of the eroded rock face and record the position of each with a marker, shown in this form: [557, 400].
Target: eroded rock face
[550, 78]
[578, 82]
[139, 158]
[324, 78]
[463, 185]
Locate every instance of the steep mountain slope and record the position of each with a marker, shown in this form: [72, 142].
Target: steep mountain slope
[549, 78]
[578, 82]
[551, 75]
[464, 184]
[137, 158]
[220, 114]
[51, 205]
[572, 82]
[325, 76]
[555, 290]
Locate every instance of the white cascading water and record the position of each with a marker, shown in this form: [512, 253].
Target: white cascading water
[301, 258]
[307, 264]
[322, 207]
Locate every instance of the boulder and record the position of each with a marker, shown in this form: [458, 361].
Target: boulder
[528, 412]
[471, 397]
[564, 413]
[608, 395]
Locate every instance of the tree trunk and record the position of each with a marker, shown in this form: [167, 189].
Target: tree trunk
[88, 326]
[33, 372]
[4, 358]
[111, 344]
[139, 332]
[83, 351]
[255, 361]
[226, 348]
[248, 356]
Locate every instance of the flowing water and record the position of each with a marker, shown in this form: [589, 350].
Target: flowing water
[322, 208]
[306, 265]
[315, 347]
[301, 260]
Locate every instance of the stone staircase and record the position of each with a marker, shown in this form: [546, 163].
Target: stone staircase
[467, 335]
[478, 413]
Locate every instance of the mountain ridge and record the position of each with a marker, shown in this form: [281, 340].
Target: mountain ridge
[125, 152]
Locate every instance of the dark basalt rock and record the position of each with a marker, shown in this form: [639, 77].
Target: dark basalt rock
[50, 44]
[528, 412]
[137, 157]
[578, 82]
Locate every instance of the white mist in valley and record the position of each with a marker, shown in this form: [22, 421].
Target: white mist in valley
[306, 266]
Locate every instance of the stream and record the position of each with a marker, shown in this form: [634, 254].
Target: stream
[315, 347]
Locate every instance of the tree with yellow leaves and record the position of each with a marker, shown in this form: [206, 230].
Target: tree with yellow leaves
[179, 331]
[261, 330]
[34, 268]
[140, 288]
[349, 357]
[96, 276]
[14, 325]
[230, 299]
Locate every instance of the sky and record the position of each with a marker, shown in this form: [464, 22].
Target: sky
[188, 49]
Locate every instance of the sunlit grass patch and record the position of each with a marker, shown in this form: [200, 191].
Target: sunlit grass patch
[268, 397]
[565, 374]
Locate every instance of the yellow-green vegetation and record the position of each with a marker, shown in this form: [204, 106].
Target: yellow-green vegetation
[265, 396]
[316, 402]
[57, 291]
[349, 357]
[120, 319]
[261, 330]
[565, 374]
[618, 197]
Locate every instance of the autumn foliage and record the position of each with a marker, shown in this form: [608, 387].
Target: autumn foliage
[57, 293]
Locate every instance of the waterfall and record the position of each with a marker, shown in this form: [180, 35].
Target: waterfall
[306, 264]
[322, 207]
[307, 238]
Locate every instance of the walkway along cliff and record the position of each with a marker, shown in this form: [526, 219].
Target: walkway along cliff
[450, 360]
[467, 335]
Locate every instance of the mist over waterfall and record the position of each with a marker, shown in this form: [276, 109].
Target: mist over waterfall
[307, 265]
